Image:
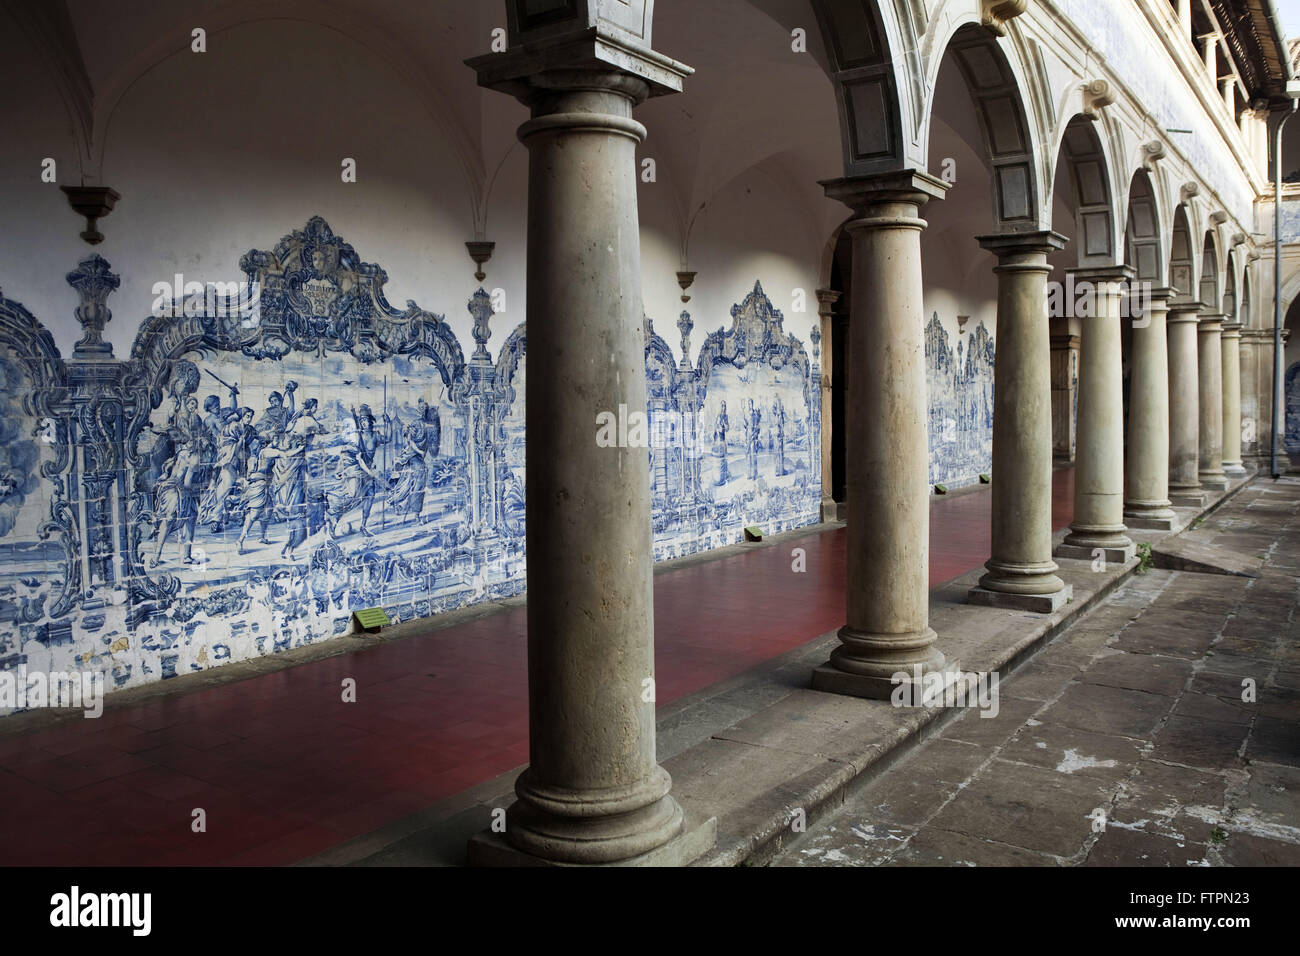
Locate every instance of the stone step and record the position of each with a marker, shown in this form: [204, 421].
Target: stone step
[1183, 554]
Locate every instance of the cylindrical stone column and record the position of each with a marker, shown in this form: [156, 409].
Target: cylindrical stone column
[887, 630]
[1099, 459]
[826, 299]
[1146, 503]
[1021, 572]
[1233, 466]
[593, 791]
[1184, 405]
[1210, 440]
[1250, 397]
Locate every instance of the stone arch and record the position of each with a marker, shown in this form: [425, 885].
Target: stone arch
[865, 74]
[1143, 246]
[1000, 104]
[1184, 265]
[1087, 166]
[828, 253]
[1290, 292]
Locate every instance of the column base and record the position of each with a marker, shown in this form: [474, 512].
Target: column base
[1214, 482]
[593, 825]
[865, 663]
[1149, 515]
[1113, 555]
[1038, 603]
[696, 839]
[830, 510]
[1186, 498]
[1234, 469]
[1084, 543]
[831, 680]
[1150, 523]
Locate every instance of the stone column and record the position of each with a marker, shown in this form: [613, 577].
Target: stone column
[1184, 405]
[1021, 572]
[593, 792]
[1099, 460]
[826, 299]
[1233, 466]
[1250, 396]
[887, 630]
[1210, 436]
[1146, 503]
[1065, 373]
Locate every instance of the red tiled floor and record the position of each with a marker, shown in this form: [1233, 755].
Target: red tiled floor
[284, 769]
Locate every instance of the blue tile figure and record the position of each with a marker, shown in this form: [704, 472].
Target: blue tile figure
[359, 479]
[720, 425]
[753, 437]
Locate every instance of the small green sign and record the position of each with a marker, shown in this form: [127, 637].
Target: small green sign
[753, 533]
[371, 618]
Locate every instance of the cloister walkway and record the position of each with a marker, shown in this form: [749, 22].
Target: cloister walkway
[283, 769]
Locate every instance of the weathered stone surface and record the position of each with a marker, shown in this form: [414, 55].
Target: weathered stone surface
[1194, 742]
[1165, 640]
[1274, 740]
[1155, 675]
[1038, 681]
[1029, 807]
[932, 846]
[1244, 849]
[1122, 846]
[989, 731]
[1072, 752]
[1108, 710]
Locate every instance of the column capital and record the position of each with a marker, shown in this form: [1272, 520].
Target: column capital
[1232, 329]
[1184, 310]
[826, 298]
[860, 193]
[1164, 294]
[1211, 322]
[1065, 341]
[1022, 243]
[1264, 335]
[590, 59]
[1113, 273]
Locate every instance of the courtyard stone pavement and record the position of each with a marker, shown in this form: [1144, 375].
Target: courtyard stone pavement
[1162, 729]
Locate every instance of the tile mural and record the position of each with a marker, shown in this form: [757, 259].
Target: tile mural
[264, 464]
[961, 404]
